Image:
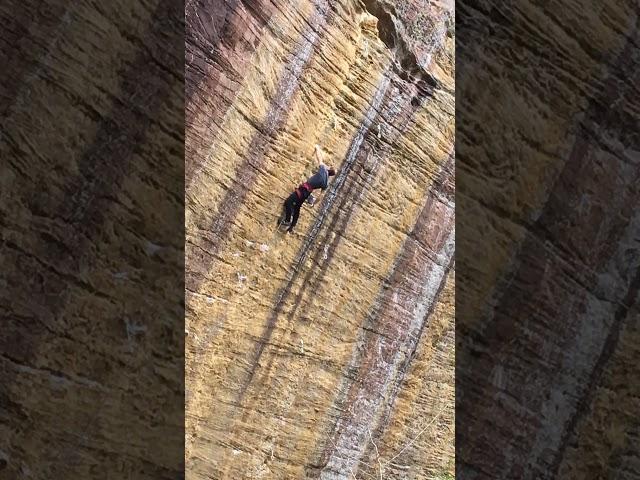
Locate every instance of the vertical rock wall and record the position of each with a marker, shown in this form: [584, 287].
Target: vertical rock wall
[327, 353]
[547, 332]
[91, 349]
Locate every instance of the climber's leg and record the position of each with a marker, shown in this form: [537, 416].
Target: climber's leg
[296, 213]
[289, 207]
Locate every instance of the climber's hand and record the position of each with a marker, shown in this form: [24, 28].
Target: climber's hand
[318, 154]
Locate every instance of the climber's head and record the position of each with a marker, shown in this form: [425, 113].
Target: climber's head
[332, 172]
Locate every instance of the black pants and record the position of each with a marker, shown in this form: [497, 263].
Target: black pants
[292, 209]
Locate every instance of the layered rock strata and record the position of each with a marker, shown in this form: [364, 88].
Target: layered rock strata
[91, 202]
[547, 318]
[327, 353]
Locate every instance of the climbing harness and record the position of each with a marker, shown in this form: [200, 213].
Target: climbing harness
[306, 186]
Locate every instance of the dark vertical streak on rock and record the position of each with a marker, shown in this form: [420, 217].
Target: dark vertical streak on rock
[216, 51]
[380, 428]
[608, 349]
[57, 266]
[20, 58]
[578, 247]
[204, 36]
[443, 183]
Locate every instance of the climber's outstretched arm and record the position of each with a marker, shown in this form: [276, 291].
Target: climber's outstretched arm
[319, 154]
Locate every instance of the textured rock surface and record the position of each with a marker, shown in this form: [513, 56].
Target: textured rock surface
[91, 377]
[327, 353]
[547, 319]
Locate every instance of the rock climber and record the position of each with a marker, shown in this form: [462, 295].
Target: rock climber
[303, 193]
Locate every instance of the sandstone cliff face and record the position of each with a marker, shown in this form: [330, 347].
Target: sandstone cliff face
[91, 378]
[327, 353]
[547, 333]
